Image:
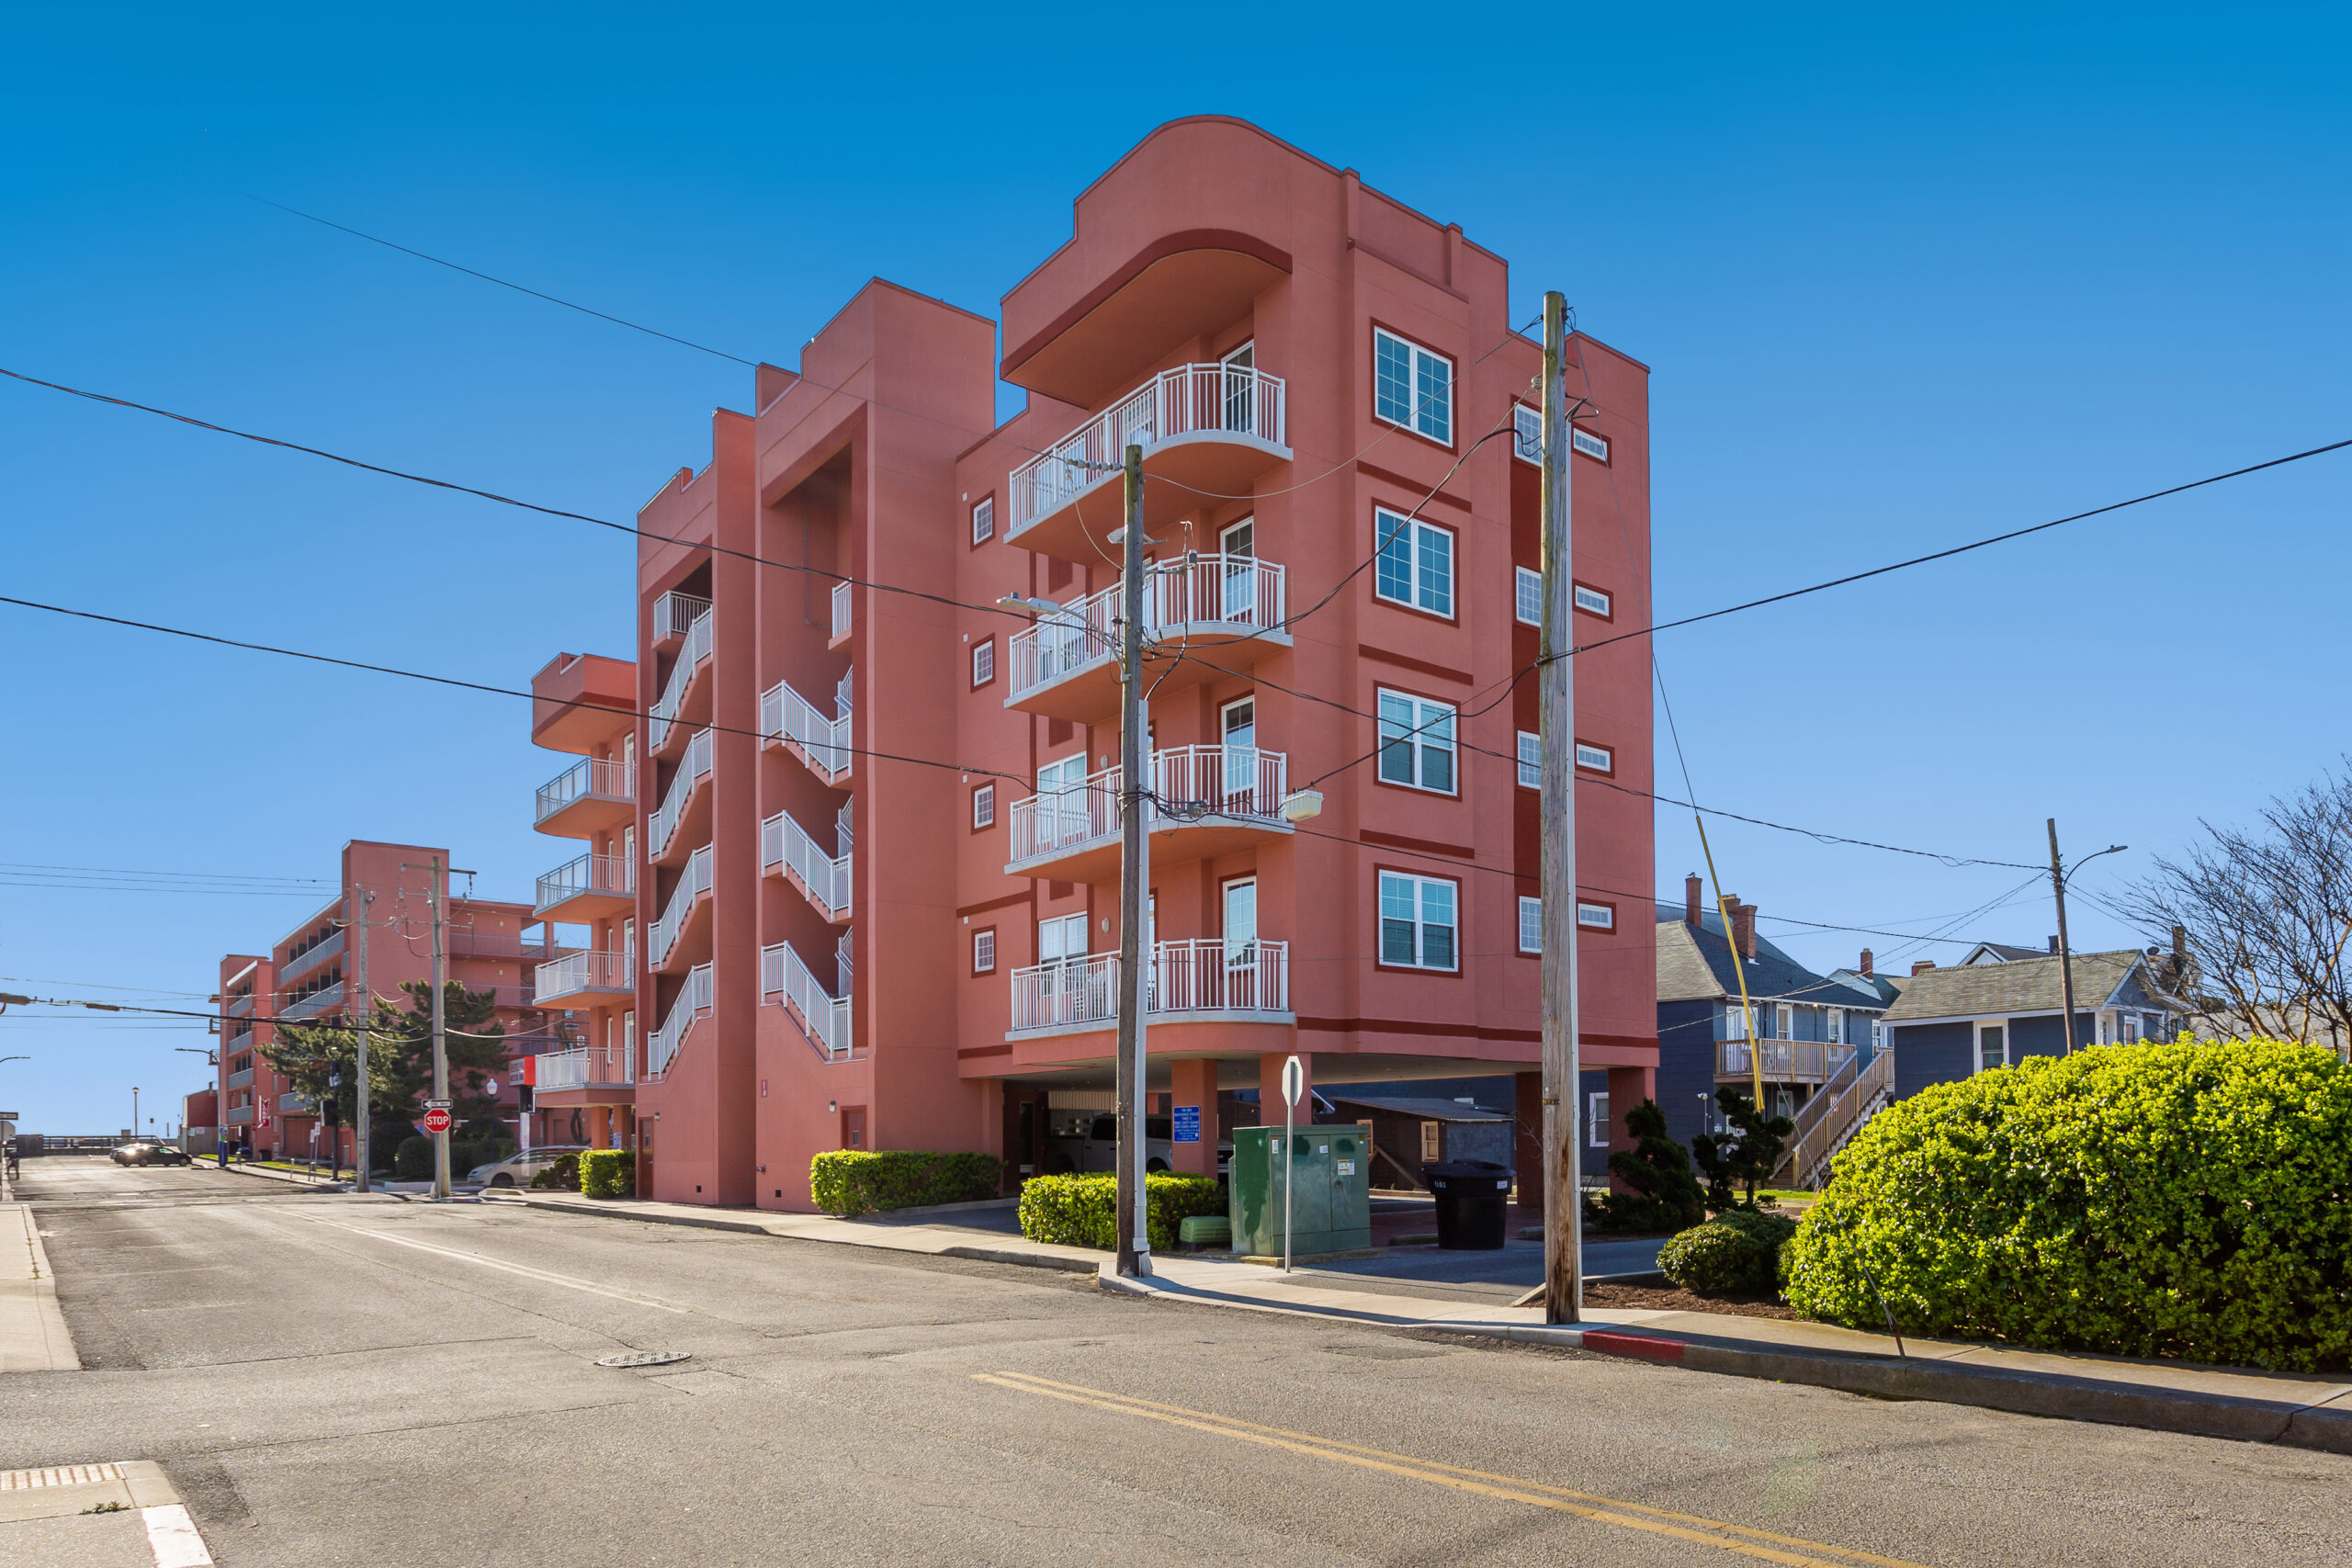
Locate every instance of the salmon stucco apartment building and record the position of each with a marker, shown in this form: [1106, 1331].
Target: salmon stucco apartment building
[852, 882]
[310, 975]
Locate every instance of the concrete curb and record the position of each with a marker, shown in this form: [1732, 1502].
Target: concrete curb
[33, 1333]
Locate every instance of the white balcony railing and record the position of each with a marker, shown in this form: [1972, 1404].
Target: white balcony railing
[692, 884]
[661, 1046]
[841, 609]
[1198, 975]
[609, 874]
[674, 615]
[1196, 591]
[785, 846]
[583, 1067]
[691, 653]
[239, 1006]
[1224, 782]
[309, 958]
[315, 1003]
[693, 768]
[585, 971]
[824, 1017]
[602, 778]
[1784, 1061]
[1192, 400]
[790, 719]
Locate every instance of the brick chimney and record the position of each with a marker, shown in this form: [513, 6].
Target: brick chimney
[1691, 914]
[1742, 929]
[1868, 964]
[1921, 965]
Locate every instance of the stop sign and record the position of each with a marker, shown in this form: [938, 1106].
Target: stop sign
[436, 1120]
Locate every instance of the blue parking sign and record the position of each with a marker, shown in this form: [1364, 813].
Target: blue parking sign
[1188, 1123]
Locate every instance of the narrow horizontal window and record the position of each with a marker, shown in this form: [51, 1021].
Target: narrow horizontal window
[1597, 916]
[1592, 600]
[1596, 759]
[1586, 442]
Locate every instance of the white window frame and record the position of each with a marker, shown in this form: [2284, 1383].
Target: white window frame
[1977, 1042]
[1530, 924]
[1527, 600]
[1419, 739]
[1527, 434]
[1596, 1119]
[983, 654]
[1607, 920]
[1066, 925]
[984, 951]
[1607, 758]
[1392, 529]
[1586, 442]
[1419, 401]
[984, 807]
[1834, 1018]
[1735, 1021]
[1530, 760]
[984, 520]
[1594, 601]
[1418, 890]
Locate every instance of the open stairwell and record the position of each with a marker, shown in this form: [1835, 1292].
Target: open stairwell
[1831, 1118]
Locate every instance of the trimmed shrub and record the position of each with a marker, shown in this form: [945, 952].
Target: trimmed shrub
[2181, 1200]
[563, 1176]
[606, 1173]
[1735, 1254]
[413, 1160]
[1665, 1196]
[1082, 1211]
[850, 1182]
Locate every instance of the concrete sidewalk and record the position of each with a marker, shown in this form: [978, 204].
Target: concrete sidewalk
[33, 1335]
[2306, 1412]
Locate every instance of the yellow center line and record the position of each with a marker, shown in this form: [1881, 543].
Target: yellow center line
[1584, 1504]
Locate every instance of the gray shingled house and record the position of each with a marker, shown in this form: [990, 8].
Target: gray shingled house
[1949, 1023]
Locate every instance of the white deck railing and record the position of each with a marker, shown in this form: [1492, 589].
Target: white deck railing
[1227, 782]
[824, 1017]
[841, 609]
[1198, 975]
[785, 846]
[605, 778]
[673, 615]
[664, 712]
[1192, 400]
[1784, 1061]
[661, 1046]
[583, 1067]
[585, 971]
[693, 768]
[790, 719]
[315, 1003]
[587, 874]
[1192, 590]
[692, 884]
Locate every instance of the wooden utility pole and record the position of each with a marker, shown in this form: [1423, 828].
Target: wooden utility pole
[1563, 1208]
[2065, 953]
[1135, 798]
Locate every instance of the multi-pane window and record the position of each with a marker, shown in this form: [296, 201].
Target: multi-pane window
[1530, 760]
[1597, 916]
[1527, 433]
[1412, 386]
[1591, 600]
[1530, 595]
[984, 519]
[1597, 759]
[1586, 442]
[1415, 561]
[1418, 921]
[1417, 742]
[983, 950]
[984, 662]
[984, 807]
[1531, 925]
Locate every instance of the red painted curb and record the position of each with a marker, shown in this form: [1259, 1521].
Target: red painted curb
[1641, 1347]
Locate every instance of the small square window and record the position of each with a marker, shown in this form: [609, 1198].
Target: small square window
[1596, 759]
[1530, 760]
[1597, 916]
[983, 661]
[984, 520]
[1592, 600]
[1414, 564]
[983, 950]
[984, 807]
[1531, 925]
[1531, 596]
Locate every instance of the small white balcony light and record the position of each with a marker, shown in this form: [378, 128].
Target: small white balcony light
[1300, 805]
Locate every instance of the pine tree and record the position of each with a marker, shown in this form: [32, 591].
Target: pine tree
[1666, 1196]
[1743, 1159]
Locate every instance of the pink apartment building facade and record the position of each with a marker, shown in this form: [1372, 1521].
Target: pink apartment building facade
[872, 860]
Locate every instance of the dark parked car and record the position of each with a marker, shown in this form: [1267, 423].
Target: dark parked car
[150, 1153]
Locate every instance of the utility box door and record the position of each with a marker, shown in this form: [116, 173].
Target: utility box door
[1330, 1203]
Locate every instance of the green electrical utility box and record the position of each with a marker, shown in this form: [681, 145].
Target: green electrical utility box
[1330, 1204]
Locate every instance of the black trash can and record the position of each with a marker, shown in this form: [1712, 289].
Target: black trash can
[1472, 1203]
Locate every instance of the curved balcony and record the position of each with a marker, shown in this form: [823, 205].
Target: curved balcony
[1212, 801]
[592, 795]
[684, 804]
[586, 976]
[584, 887]
[690, 898]
[685, 698]
[1204, 428]
[788, 851]
[1066, 665]
[1192, 981]
[823, 1017]
[791, 721]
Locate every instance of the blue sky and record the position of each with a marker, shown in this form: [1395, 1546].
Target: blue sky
[1901, 283]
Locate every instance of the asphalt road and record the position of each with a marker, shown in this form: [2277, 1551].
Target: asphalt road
[335, 1380]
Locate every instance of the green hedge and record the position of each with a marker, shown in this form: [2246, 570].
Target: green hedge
[1081, 1211]
[850, 1182]
[563, 1176]
[1737, 1253]
[2171, 1200]
[607, 1173]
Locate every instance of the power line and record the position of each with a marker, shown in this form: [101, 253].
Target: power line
[126, 871]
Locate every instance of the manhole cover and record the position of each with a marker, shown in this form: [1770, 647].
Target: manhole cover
[645, 1358]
